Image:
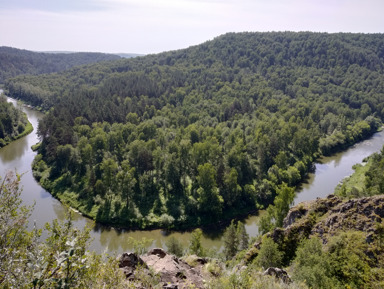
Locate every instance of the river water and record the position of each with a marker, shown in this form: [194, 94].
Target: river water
[19, 156]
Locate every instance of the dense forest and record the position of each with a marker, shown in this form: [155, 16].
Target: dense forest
[15, 61]
[13, 122]
[193, 136]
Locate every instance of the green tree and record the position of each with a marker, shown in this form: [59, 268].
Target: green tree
[269, 254]
[210, 200]
[312, 265]
[231, 241]
[14, 238]
[195, 246]
[348, 261]
[232, 188]
[59, 260]
[265, 223]
[281, 204]
[174, 246]
[242, 236]
[126, 177]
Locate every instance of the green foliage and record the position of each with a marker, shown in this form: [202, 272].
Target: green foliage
[250, 278]
[312, 266]
[195, 246]
[13, 123]
[206, 132]
[242, 236]
[174, 246]
[366, 180]
[281, 204]
[59, 260]
[14, 237]
[277, 212]
[235, 239]
[346, 261]
[63, 261]
[269, 254]
[209, 197]
[231, 242]
[265, 224]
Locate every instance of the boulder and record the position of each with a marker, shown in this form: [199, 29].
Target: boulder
[280, 274]
[129, 262]
[171, 271]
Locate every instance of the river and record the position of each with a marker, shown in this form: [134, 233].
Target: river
[18, 155]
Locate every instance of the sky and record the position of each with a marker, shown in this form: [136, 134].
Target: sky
[153, 26]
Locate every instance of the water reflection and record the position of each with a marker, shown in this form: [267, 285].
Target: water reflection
[14, 153]
[331, 170]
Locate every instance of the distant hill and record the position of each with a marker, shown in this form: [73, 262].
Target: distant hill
[129, 55]
[15, 61]
[122, 55]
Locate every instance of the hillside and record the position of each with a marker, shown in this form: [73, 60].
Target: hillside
[14, 61]
[198, 135]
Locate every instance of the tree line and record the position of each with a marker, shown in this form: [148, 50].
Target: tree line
[15, 61]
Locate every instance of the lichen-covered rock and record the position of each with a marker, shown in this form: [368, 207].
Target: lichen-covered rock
[295, 213]
[325, 218]
[279, 274]
[171, 271]
[356, 214]
[129, 262]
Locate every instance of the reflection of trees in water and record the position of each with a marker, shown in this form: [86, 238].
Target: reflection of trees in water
[116, 240]
[62, 212]
[14, 151]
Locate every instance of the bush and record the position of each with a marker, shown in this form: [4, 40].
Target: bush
[269, 254]
[174, 246]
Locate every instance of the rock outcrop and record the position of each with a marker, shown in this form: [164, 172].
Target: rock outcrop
[129, 263]
[361, 214]
[280, 274]
[171, 271]
[325, 218]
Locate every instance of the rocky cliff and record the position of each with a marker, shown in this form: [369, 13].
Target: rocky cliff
[159, 267]
[325, 218]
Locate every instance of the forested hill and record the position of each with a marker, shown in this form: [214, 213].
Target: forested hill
[14, 61]
[196, 135]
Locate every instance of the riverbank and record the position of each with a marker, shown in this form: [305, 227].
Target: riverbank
[23, 123]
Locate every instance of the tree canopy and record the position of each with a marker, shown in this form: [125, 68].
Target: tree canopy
[15, 61]
[188, 137]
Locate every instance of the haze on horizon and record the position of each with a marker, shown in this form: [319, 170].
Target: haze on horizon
[150, 26]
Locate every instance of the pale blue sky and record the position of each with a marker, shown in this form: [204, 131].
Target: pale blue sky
[151, 26]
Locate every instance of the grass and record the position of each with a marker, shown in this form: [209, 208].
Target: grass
[353, 185]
